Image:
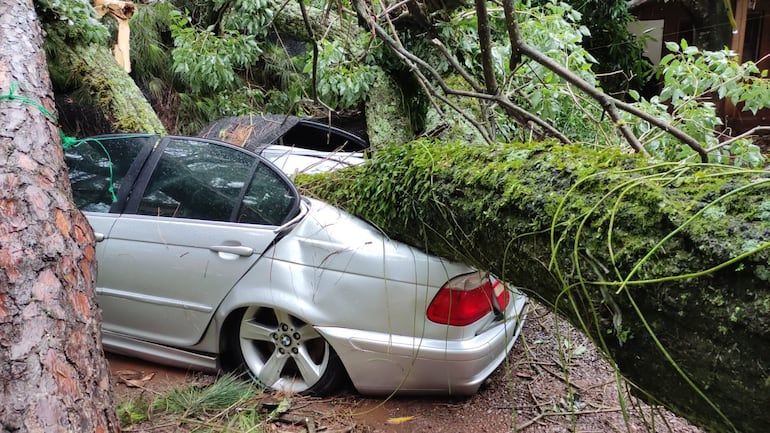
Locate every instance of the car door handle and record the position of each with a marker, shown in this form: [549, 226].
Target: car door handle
[239, 250]
[99, 236]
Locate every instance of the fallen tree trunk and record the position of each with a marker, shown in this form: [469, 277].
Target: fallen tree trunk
[113, 92]
[665, 266]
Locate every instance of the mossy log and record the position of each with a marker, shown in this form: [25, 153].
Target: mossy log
[665, 266]
[387, 116]
[111, 89]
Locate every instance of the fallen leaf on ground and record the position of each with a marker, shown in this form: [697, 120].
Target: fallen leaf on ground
[134, 379]
[399, 420]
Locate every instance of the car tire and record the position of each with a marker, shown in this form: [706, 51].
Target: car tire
[283, 353]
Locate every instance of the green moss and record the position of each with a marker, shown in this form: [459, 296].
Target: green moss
[111, 89]
[387, 118]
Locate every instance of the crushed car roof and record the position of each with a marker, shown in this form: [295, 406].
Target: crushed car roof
[258, 131]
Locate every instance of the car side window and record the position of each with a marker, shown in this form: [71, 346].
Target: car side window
[97, 168]
[269, 199]
[197, 179]
[203, 180]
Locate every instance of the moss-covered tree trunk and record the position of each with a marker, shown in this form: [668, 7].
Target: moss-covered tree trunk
[112, 90]
[665, 266]
[387, 114]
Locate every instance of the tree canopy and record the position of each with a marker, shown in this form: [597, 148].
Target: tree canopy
[458, 71]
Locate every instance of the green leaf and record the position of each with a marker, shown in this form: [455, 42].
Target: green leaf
[672, 46]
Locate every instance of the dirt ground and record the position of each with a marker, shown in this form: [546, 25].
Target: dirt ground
[529, 393]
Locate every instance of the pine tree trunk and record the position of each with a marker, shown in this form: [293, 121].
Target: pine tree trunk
[666, 267]
[53, 374]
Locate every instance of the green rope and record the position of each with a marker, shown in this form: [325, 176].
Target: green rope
[73, 142]
[11, 96]
[66, 141]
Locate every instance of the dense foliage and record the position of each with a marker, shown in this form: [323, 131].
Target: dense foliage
[205, 61]
[618, 52]
[68, 21]
[691, 77]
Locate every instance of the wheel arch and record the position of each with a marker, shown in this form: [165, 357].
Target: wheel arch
[235, 304]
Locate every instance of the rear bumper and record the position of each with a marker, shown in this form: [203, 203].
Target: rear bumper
[380, 363]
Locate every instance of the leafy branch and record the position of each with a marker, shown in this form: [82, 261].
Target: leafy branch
[487, 89]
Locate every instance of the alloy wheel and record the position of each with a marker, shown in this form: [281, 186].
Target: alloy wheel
[281, 351]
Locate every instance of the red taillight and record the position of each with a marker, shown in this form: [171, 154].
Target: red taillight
[466, 299]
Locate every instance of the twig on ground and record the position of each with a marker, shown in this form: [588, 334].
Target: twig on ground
[577, 412]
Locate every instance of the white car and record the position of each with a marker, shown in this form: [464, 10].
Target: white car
[209, 258]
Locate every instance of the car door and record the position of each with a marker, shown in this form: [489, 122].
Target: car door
[200, 216]
[102, 171]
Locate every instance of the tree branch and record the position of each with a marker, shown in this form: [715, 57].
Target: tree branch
[521, 116]
[311, 34]
[608, 103]
[485, 45]
[509, 9]
[488, 67]
[413, 61]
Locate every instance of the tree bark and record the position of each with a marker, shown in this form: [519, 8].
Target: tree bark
[665, 266]
[53, 374]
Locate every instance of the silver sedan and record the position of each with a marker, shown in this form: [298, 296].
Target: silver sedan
[209, 258]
